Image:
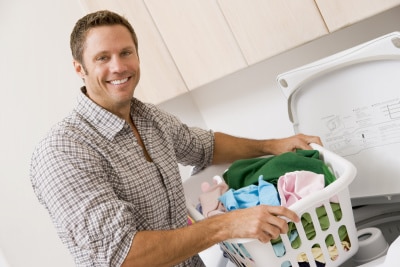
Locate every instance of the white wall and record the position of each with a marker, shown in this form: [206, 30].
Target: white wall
[39, 87]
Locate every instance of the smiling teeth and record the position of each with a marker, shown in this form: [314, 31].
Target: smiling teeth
[116, 82]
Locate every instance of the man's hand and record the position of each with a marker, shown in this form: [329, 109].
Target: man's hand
[298, 141]
[261, 222]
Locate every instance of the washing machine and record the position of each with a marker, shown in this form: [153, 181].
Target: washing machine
[352, 101]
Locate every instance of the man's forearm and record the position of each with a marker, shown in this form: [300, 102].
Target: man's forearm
[228, 148]
[170, 247]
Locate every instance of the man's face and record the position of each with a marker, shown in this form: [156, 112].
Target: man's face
[111, 66]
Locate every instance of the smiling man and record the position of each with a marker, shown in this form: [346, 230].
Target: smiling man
[109, 67]
[108, 173]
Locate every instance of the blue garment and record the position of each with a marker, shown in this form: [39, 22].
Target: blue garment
[250, 196]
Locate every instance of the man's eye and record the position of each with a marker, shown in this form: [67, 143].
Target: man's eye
[101, 58]
[127, 53]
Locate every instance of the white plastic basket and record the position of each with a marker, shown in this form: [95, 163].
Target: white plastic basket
[251, 252]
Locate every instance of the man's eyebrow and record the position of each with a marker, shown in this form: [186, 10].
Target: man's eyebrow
[122, 49]
[102, 52]
[130, 47]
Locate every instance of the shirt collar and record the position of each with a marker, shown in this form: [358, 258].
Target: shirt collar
[107, 123]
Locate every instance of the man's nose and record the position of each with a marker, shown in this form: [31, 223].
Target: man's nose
[117, 64]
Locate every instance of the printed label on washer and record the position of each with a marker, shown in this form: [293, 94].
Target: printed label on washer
[363, 127]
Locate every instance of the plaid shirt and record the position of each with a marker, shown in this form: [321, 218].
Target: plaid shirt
[91, 175]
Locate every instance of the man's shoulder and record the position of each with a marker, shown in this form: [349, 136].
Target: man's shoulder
[65, 129]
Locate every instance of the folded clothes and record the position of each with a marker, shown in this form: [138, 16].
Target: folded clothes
[246, 172]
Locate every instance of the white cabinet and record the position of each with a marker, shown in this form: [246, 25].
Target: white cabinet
[184, 44]
[341, 13]
[264, 28]
[198, 38]
[160, 79]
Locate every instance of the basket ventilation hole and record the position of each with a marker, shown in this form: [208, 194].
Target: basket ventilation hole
[279, 249]
[337, 211]
[308, 225]
[322, 218]
[317, 253]
[332, 247]
[296, 243]
[344, 238]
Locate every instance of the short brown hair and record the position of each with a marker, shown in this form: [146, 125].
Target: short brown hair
[92, 20]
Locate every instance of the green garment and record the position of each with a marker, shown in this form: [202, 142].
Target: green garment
[245, 172]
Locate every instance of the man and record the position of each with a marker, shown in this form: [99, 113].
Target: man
[108, 173]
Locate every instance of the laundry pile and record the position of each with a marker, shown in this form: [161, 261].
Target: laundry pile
[278, 180]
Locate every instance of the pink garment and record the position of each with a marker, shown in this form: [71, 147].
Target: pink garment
[294, 186]
[210, 204]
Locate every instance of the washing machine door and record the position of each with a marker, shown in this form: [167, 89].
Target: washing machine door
[352, 101]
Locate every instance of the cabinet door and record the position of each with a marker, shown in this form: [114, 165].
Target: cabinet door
[341, 13]
[264, 28]
[198, 38]
[160, 79]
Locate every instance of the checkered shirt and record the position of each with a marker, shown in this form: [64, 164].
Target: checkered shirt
[91, 175]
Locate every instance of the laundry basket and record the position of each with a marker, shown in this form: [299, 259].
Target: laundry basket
[313, 249]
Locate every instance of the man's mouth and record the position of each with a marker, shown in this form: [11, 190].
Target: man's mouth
[118, 82]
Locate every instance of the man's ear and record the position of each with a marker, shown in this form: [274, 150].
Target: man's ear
[79, 69]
